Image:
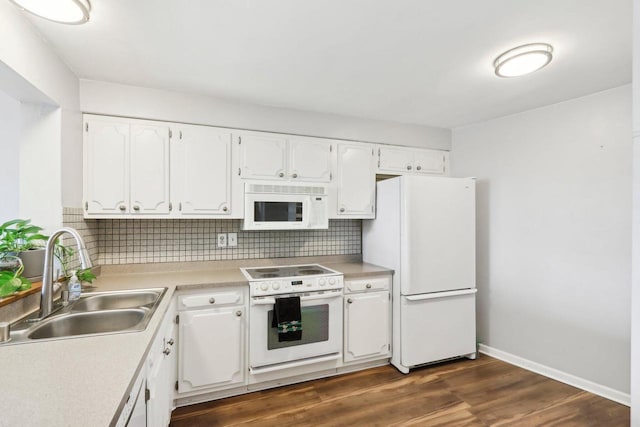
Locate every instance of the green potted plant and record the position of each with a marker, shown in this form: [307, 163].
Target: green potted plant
[12, 281]
[20, 238]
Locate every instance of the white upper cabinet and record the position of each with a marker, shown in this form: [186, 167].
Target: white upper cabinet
[355, 180]
[268, 156]
[202, 180]
[126, 167]
[262, 155]
[405, 160]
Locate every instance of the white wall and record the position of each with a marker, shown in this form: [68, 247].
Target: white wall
[10, 149]
[554, 224]
[131, 101]
[635, 299]
[30, 71]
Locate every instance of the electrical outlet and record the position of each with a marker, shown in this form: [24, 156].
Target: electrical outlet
[232, 239]
[222, 240]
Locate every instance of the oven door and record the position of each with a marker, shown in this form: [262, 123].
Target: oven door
[321, 329]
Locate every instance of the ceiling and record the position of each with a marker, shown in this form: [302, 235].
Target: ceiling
[411, 61]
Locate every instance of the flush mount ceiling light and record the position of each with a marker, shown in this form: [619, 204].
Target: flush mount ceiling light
[523, 60]
[61, 11]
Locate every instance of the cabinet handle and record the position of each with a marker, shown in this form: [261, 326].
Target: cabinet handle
[225, 209]
[167, 351]
[341, 209]
[136, 208]
[281, 174]
[171, 341]
[212, 300]
[419, 168]
[238, 313]
[408, 167]
[349, 300]
[122, 207]
[368, 286]
[295, 175]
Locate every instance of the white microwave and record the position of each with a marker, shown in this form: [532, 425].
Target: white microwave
[285, 207]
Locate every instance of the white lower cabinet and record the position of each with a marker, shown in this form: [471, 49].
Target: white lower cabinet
[212, 328]
[367, 315]
[161, 373]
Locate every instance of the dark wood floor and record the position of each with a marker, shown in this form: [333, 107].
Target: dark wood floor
[482, 392]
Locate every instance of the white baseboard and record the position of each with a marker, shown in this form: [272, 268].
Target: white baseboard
[572, 380]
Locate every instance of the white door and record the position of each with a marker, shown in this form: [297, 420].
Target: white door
[438, 234]
[149, 175]
[356, 177]
[211, 348]
[309, 160]
[161, 376]
[201, 171]
[429, 161]
[106, 167]
[367, 327]
[263, 156]
[395, 159]
[437, 326]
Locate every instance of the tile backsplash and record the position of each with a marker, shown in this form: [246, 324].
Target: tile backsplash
[135, 241]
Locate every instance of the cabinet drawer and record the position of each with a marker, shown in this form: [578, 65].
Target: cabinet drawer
[368, 284]
[210, 299]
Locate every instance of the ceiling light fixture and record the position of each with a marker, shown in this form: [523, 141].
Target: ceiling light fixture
[61, 11]
[523, 60]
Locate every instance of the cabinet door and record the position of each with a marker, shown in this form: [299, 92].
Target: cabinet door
[356, 176]
[429, 161]
[309, 160]
[149, 174]
[201, 171]
[211, 349]
[367, 327]
[106, 167]
[395, 159]
[263, 156]
[161, 373]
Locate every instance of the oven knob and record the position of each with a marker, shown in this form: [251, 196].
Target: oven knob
[264, 286]
[332, 281]
[322, 282]
[275, 285]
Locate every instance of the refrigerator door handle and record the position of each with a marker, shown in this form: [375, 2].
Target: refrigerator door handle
[435, 295]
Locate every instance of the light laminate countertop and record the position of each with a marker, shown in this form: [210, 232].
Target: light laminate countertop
[85, 380]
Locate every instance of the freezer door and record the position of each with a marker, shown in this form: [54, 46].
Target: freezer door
[438, 234]
[437, 326]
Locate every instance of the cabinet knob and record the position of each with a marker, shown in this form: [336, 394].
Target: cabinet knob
[341, 209]
[419, 168]
[136, 208]
[238, 313]
[212, 300]
[281, 174]
[171, 341]
[225, 209]
[122, 207]
[408, 167]
[349, 300]
[295, 175]
[368, 286]
[167, 351]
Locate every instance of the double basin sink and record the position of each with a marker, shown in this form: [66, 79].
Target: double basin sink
[96, 313]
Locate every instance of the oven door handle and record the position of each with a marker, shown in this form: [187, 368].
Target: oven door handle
[271, 301]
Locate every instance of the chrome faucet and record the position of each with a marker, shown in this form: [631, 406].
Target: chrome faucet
[46, 300]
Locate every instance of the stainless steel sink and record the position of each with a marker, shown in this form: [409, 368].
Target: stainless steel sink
[94, 322]
[95, 313]
[112, 301]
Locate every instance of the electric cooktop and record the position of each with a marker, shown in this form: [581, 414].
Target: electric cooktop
[286, 271]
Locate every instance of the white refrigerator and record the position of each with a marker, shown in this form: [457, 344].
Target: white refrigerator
[425, 231]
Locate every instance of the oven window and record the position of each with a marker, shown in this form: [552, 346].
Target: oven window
[277, 211]
[315, 327]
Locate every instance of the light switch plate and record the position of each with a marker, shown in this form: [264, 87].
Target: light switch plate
[222, 240]
[232, 239]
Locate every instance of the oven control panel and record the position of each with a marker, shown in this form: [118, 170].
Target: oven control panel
[296, 284]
